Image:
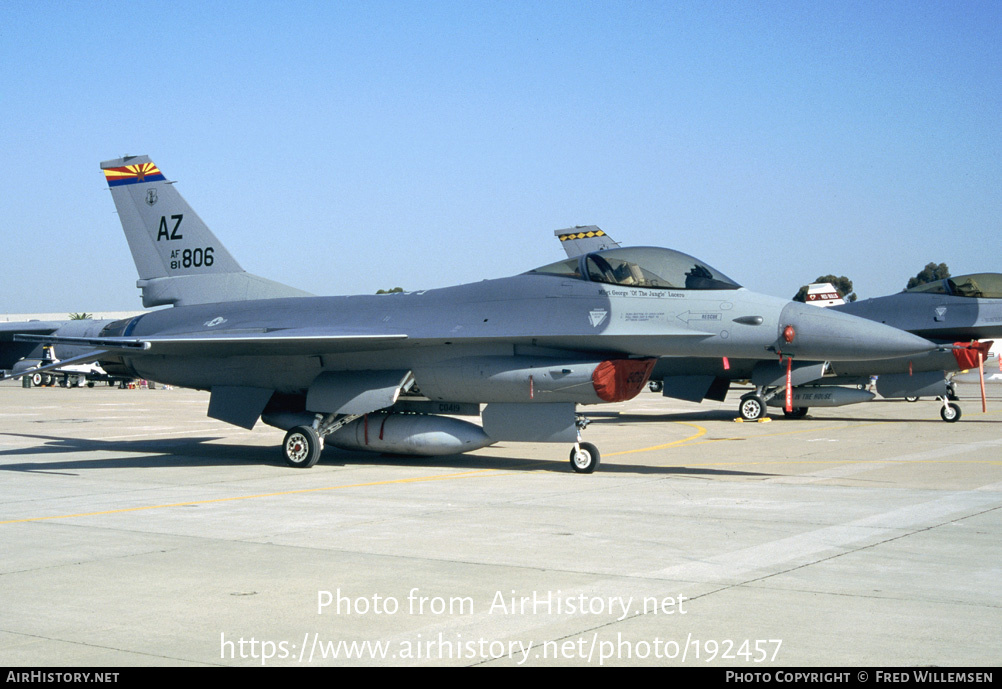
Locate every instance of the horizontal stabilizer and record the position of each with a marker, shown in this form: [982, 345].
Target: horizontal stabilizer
[7, 330]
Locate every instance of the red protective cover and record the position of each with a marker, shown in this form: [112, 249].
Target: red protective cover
[618, 380]
[968, 357]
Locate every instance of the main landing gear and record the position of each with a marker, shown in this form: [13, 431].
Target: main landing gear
[302, 447]
[752, 406]
[304, 444]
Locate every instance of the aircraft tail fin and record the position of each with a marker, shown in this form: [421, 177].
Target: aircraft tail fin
[584, 239]
[180, 261]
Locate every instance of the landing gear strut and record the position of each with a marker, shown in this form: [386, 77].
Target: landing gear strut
[304, 444]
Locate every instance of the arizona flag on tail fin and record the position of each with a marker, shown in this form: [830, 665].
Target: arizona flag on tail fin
[133, 174]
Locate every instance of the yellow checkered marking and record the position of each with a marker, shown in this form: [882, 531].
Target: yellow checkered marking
[581, 235]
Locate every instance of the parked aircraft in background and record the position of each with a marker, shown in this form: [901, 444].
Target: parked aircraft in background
[21, 358]
[67, 376]
[530, 347]
[823, 294]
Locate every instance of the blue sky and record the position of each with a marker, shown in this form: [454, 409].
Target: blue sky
[342, 147]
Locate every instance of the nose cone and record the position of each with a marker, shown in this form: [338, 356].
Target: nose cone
[827, 335]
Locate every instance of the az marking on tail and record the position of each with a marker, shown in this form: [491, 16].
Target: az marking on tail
[162, 233]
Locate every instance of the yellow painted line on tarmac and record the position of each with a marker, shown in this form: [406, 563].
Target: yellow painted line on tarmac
[417, 479]
[687, 441]
[700, 432]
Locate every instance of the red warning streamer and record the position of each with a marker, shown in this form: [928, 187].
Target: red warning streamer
[981, 369]
[789, 384]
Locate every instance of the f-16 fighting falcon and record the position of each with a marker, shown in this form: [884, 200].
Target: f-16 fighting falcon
[531, 347]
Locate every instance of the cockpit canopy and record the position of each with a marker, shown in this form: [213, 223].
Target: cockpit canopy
[982, 285]
[641, 266]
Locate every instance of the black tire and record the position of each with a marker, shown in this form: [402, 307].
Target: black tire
[655, 386]
[752, 407]
[797, 413]
[585, 461]
[950, 412]
[36, 379]
[911, 399]
[302, 447]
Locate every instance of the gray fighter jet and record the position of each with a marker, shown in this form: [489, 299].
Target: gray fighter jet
[955, 313]
[532, 347]
[961, 308]
[958, 312]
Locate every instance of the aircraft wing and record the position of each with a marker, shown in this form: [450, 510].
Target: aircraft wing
[282, 342]
[291, 342]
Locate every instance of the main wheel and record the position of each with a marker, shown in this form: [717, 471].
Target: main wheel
[36, 379]
[950, 412]
[752, 407]
[911, 399]
[302, 447]
[655, 386]
[797, 413]
[585, 460]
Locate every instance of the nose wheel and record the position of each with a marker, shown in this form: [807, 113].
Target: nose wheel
[950, 412]
[584, 458]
